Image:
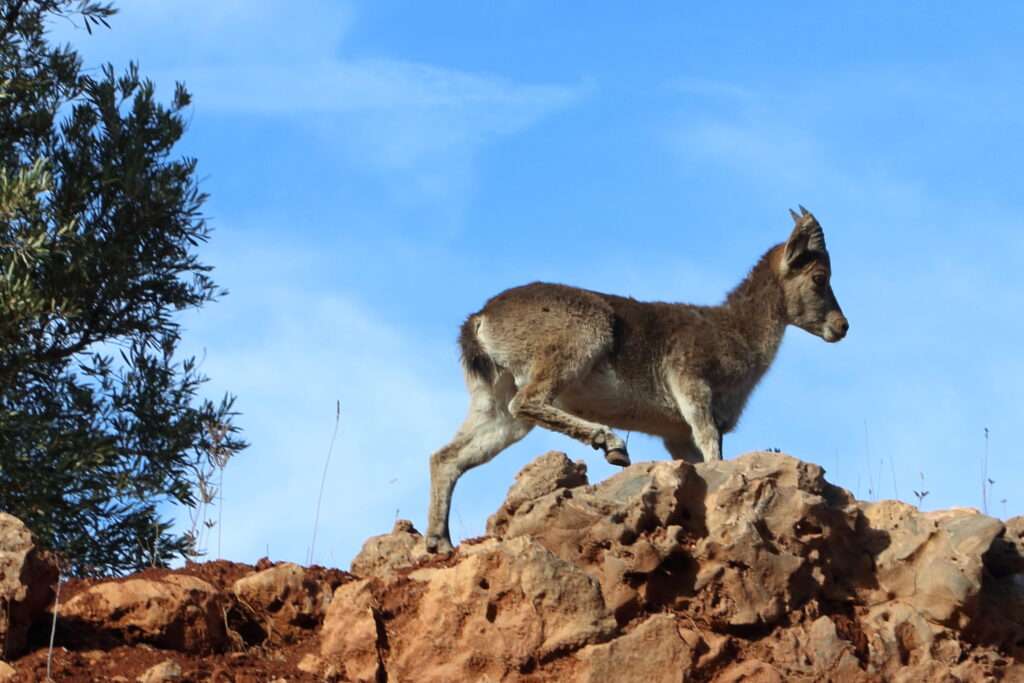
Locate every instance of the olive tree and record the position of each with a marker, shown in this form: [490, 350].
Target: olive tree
[102, 426]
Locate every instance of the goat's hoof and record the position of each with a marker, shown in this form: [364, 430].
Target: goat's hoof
[617, 456]
[438, 545]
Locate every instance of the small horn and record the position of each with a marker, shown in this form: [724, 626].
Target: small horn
[803, 211]
[795, 215]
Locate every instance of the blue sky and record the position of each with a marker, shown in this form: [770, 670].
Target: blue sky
[378, 170]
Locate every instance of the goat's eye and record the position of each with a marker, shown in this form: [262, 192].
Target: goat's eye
[819, 279]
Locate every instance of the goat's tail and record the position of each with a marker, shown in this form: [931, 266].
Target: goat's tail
[474, 359]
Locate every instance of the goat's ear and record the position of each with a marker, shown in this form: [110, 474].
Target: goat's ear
[807, 237]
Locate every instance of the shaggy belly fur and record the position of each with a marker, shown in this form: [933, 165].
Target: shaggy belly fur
[606, 398]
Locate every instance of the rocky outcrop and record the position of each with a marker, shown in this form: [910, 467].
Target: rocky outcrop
[933, 562]
[174, 612]
[287, 594]
[734, 543]
[28, 577]
[752, 569]
[381, 555]
[501, 609]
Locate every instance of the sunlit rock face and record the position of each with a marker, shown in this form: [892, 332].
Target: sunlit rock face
[752, 569]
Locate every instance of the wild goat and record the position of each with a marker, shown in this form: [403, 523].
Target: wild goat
[580, 362]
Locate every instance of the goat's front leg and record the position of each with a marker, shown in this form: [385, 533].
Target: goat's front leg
[683, 448]
[693, 398]
[533, 404]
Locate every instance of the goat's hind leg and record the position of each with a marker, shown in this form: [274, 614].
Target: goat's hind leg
[487, 430]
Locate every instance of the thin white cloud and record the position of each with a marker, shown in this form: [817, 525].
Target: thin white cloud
[703, 87]
[270, 59]
[778, 154]
[396, 114]
[370, 85]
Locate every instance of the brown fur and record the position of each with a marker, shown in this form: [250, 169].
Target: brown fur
[581, 362]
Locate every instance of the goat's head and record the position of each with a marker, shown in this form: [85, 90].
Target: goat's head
[805, 273]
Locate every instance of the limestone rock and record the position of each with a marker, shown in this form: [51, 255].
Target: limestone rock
[28, 577]
[164, 672]
[287, 593]
[546, 474]
[488, 614]
[519, 589]
[352, 634]
[768, 520]
[933, 561]
[626, 526]
[382, 555]
[744, 545]
[750, 569]
[830, 653]
[741, 536]
[637, 499]
[653, 652]
[310, 664]
[176, 612]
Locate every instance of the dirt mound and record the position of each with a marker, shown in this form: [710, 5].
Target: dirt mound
[215, 621]
[753, 569]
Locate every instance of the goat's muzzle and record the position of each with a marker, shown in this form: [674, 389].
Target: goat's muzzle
[836, 327]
